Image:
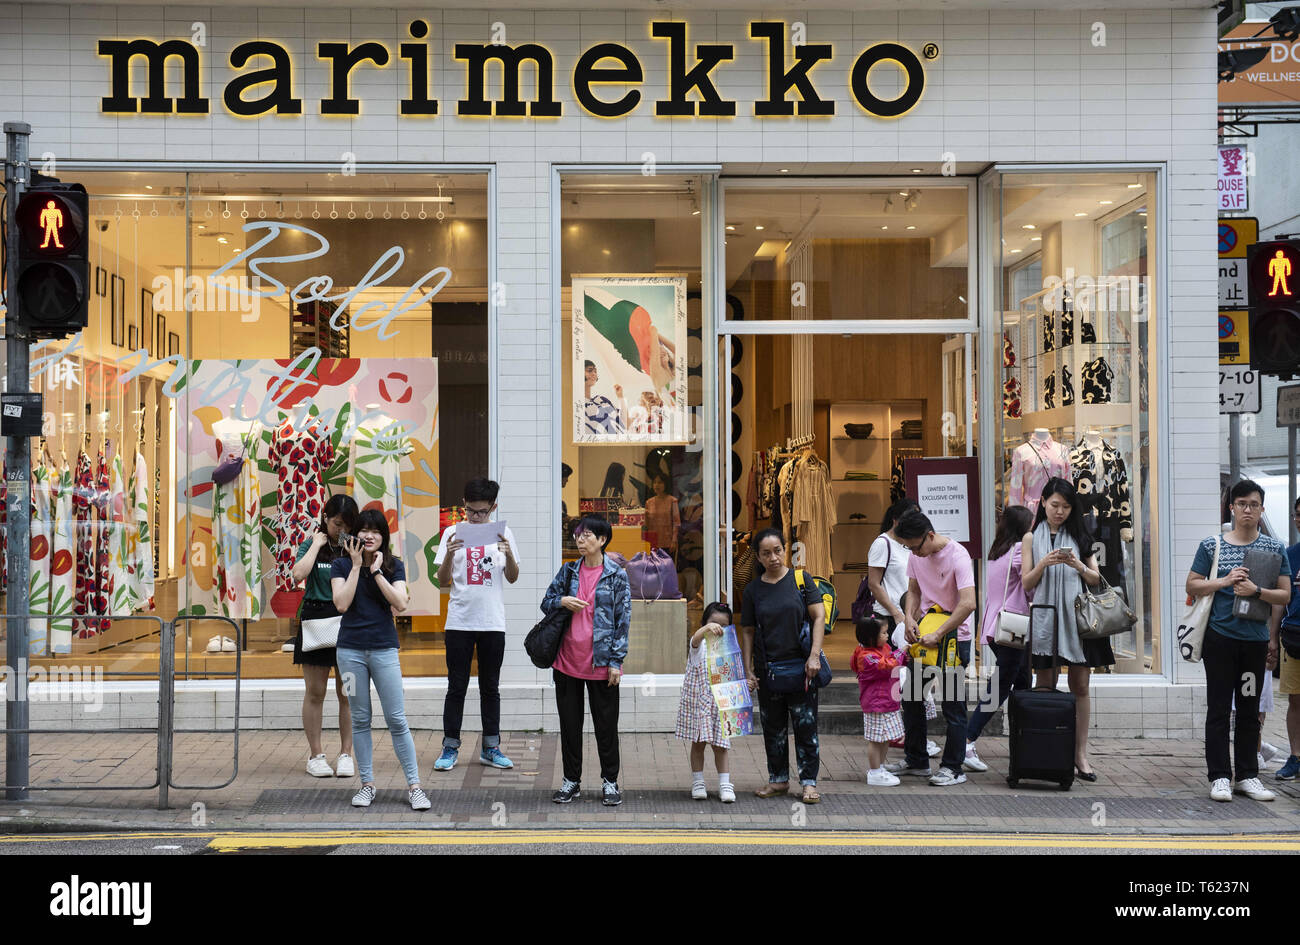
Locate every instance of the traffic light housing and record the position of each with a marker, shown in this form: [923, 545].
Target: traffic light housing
[1273, 281]
[53, 287]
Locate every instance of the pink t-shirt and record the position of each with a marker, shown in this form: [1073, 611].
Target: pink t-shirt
[575, 656]
[941, 576]
[997, 577]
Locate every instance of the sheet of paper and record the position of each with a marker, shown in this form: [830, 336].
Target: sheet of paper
[477, 534]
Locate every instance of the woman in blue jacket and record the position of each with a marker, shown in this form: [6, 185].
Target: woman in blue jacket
[596, 591]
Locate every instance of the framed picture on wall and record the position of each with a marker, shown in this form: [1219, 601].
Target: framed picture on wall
[629, 359]
[173, 343]
[159, 336]
[133, 336]
[146, 320]
[101, 281]
[117, 310]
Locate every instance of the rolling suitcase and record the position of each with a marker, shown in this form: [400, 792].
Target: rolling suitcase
[1041, 723]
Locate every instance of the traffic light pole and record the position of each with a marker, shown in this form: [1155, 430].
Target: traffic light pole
[18, 465]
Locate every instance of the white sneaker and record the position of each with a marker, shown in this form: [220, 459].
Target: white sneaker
[727, 793]
[227, 645]
[344, 768]
[946, 777]
[973, 761]
[932, 749]
[882, 778]
[699, 791]
[1272, 753]
[318, 767]
[419, 800]
[287, 647]
[364, 796]
[1261, 762]
[1221, 790]
[1253, 790]
[214, 644]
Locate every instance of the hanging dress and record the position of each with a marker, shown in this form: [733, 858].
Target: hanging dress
[237, 531]
[63, 563]
[124, 601]
[300, 459]
[139, 538]
[39, 584]
[375, 473]
[103, 592]
[83, 490]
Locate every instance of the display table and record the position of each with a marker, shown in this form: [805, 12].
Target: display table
[658, 637]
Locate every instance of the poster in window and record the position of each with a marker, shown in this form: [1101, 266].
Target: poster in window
[117, 310]
[146, 320]
[629, 364]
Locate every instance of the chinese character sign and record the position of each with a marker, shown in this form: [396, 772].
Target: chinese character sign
[1232, 178]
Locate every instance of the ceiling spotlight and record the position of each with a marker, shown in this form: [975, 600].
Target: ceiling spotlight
[1105, 203]
[1134, 186]
[695, 213]
[884, 227]
[1028, 226]
[1016, 251]
[1082, 213]
[902, 193]
[731, 227]
[916, 170]
[785, 170]
[222, 239]
[1035, 239]
[913, 227]
[758, 226]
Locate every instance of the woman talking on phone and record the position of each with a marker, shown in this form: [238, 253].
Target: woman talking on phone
[369, 586]
[1053, 571]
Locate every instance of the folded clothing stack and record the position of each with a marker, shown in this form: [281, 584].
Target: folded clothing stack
[910, 430]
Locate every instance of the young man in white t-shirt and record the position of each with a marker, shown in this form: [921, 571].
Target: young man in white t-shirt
[476, 617]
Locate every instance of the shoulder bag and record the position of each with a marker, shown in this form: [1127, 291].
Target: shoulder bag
[1103, 613]
[1013, 628]
[320, 625]
[1196, 615]
[543, 641]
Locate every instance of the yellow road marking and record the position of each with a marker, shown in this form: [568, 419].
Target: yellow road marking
[250, 840]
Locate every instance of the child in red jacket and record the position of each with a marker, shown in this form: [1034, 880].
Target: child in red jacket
[877, 664]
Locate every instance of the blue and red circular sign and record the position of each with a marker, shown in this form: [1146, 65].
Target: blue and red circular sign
[1226, 326]
[1227, 238]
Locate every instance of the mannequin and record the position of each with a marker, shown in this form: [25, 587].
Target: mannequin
[1035, 461]
[1102, 480]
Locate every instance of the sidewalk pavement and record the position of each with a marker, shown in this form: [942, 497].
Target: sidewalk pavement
[1145, 786]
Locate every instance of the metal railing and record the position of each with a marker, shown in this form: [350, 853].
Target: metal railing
[165, 729]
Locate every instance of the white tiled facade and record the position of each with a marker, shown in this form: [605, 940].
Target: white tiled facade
[1009, 87]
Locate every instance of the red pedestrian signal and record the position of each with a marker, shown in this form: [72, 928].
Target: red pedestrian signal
[53, 270]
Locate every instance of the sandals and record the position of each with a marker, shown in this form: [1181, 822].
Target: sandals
[773, 789]
[810, 795]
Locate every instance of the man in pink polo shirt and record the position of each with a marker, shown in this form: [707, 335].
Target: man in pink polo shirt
[939, 572]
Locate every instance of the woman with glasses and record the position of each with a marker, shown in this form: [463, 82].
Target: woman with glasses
[1237, 649]
[595, 590]
[476, 618]
[1053, 571]
[369, 586]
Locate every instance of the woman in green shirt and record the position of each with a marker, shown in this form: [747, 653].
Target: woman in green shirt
[312, 569]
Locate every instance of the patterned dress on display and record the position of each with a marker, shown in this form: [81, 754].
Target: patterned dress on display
[237, 532]
[83, 490]
[300, 458]
[375, 473]
[139, 539]
[119, 541]
[63, 567]
[103, 591]
[39, 586]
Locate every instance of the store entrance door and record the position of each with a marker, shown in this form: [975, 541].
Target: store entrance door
[821, 426]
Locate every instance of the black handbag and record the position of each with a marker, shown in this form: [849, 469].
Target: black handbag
[1290, 640]
[543, 641]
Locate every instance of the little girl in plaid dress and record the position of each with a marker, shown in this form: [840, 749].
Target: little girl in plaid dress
[697, 712]
[877, 666]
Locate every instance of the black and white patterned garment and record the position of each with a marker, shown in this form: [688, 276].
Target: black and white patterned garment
[1101, 479]
[1087, 334]
[1049, 331]
[1097, 377]
[1049, 392]
[1067, 325]
[1067, 387]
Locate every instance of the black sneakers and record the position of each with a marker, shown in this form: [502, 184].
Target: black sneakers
[567, 792]
[613, 796]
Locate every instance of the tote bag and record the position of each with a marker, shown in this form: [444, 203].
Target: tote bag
[1196, 616]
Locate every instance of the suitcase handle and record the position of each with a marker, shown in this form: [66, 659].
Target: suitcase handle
[1056, 652]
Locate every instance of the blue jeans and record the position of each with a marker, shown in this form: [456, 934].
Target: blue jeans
[382, 668]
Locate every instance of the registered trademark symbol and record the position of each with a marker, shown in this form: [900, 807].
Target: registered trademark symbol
[930, 51]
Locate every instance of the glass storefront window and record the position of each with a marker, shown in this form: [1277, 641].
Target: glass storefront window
[874, 250]
[632, 388]
[1075, 330]
[257, 343]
